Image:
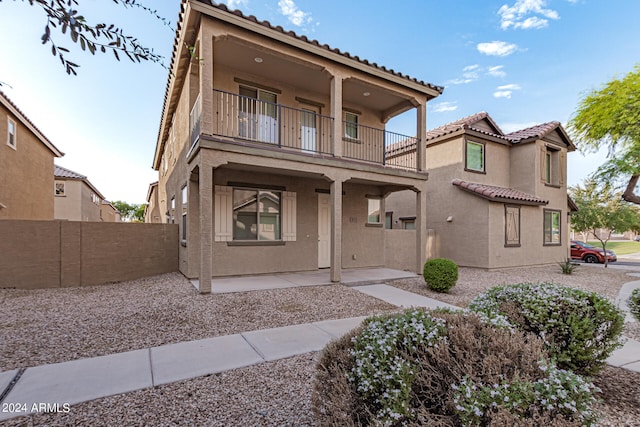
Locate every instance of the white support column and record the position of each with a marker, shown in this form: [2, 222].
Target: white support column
[336, 230]
[421, 136]
[336, 113]
[421, 229]
[206, 227]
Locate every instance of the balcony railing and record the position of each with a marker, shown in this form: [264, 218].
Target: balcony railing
[248, 119]
[194, 120]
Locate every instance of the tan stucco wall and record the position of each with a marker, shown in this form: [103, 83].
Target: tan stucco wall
[76, 204]
[46, 254]
[26, 174]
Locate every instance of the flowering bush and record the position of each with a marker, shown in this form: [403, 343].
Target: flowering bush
[445, 368]
[634, 303]
[441, 274]
[580, 329]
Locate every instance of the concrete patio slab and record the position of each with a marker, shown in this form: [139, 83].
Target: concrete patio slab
[629, 354]
[181, 361]
[81, 380]
[633, 367]
[5, 378]
[278, 343]
[401, 298]
[339, 327]
[373, 275]
[311, 278]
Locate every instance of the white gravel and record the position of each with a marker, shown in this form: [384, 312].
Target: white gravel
[47, 326]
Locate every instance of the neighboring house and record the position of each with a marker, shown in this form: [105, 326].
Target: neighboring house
[26, 166]
[494, 199]
[109, 213]
[152, 209]
[76, 199]
[271, 149]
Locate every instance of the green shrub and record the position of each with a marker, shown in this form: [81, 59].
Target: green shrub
[444, 368]
[580, 329]
[568, 266]
[441, 274]
[634, 303]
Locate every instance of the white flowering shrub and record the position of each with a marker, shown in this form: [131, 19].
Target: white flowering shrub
[580, 329]
[445, 368]
[560, 391]
[381, 375]
[634, 303]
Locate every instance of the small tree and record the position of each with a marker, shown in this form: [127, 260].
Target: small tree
[601, 211]
[130, 212]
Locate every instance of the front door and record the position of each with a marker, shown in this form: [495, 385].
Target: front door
[309, 129]
[324, 231]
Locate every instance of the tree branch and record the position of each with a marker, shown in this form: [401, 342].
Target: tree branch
[629, 194]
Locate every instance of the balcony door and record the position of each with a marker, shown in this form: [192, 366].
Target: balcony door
[309, 128]
[258, 115]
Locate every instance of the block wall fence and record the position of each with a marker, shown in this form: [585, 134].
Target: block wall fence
[51, 254]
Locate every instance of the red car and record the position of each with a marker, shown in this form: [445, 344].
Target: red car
[590, 254]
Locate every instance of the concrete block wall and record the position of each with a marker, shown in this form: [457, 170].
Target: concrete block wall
[50, 254]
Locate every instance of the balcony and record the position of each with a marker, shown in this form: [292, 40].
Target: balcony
[249, 120]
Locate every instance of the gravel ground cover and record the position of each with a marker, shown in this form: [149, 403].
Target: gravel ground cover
[166, 309]
[55, 325]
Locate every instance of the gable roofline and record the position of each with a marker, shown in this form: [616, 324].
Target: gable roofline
[13, 108]
[277, 33]
[152, 186]
[540, 131]
[62, 174]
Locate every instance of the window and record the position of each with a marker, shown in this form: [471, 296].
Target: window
[547, 167]
[552, 227]
[184, 226]
[373, 212]
[11, 133]
[256, 214]
[59, 188]
[95, 199]
[474, 157]
[351, 125]
[184, 213]
[551, 169]
[511, 226]
[258, 117]
[409, 223]
[184, 196]
[388, 220]
[172, 212]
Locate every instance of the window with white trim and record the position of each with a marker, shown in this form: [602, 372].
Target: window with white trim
[552, 231]
[253, 214]
[374, 205]
[474, 157]
[11, 134]
[350, 125]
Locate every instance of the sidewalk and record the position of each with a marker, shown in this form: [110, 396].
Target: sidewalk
[69, 383]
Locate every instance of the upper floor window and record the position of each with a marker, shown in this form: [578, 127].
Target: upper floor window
[551, 166]
[474, 157]
[351, 125]
[11, 134]
[184, 196]
[258, 117]
[552, 227]
[95, 199]
[59, 188]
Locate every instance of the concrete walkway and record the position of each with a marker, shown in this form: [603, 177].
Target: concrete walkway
[77, 381]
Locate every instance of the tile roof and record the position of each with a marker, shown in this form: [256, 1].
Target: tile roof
[4, 99]
[536, 132]
[499, 194]
[60, 172]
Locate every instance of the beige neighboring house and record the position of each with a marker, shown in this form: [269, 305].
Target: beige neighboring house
[26, 166]
[494, 200]
[152, 209]
[271, 149]
[76, 199]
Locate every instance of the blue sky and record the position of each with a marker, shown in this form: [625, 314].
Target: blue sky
[523, 61]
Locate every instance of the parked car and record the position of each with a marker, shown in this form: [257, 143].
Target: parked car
[590, 254]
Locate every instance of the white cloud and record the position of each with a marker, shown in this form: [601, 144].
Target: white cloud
[505, 91]
[526, 14]
[496, 71]
[235, 4]
[297, 17]
[497, 48]
[443, 107]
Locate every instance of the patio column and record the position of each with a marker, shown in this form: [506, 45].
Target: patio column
[421, 134]
[421, 229]
[205, 62]
[336, 113]
[206, 227]
[336, 230]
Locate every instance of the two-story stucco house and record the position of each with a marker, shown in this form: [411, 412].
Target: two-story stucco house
[494, 200]
[26, 166]
[271, 149]
[76, 199]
